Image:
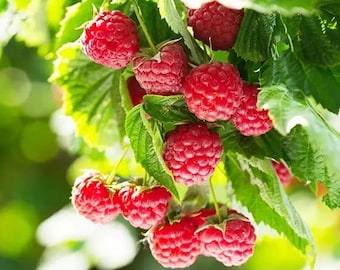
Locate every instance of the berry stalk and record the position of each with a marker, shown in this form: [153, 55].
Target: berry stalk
[141, 22]
[213, 194]
[112, 175]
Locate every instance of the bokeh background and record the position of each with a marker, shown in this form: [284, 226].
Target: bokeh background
[40, 156]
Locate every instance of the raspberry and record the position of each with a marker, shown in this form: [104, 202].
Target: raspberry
[144, 207]
[110, 39]
[135, 90]
[175, 245]
[248, 119]
[213, 91]
[93, 200]
[216, 24]
[164, 73]
[231, 242]
[282, 172]
[192, 152]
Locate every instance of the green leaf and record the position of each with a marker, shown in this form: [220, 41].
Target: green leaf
[168, 11]
[305, 162]
[88, 92]
[171, 109]
[322, 142]
[286, 7]
[146, 144]
[75, 17]
[268, 145]
[157, 26]
[320, 43]
[254, 37]
[256, 187]
[322, 84]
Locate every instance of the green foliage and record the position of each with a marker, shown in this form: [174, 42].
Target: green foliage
[89, 90]
[146, 144]
[254, 38]
[171, 109]
[316, 143]
[290, 47]
[257, 187]
[168, 10]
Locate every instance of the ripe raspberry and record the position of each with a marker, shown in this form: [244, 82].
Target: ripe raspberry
[215, 23]
[144, 208]
[164, 73]
[93, 200]
[248, 119]
[231, 242]
[192, 152]
[110, 39]
[135, 90]
[282, 172]
[213, 91]
[175, 245]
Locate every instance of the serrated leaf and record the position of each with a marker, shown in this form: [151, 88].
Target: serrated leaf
[257, 188]
[170, 109]
[324, 140]
[322, 84]
[255, 35]
[88, 91]
[146, 146]
[318, 46]
[168, 11]
[305, 162]
[267, 145]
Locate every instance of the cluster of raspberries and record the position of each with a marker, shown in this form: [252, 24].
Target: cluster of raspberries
[174, 243]
[213, 92]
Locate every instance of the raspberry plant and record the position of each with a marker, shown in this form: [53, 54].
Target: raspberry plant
[288, 51]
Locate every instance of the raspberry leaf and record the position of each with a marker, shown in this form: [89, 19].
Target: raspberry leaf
[157, 27]
[257, 188]
[320, 83]
[254, 37]
[168, 11]
[171, 109]
[286, 7]
[321, 140]
[89, 91]
[146, 144]
[319, 40]
[267, 145]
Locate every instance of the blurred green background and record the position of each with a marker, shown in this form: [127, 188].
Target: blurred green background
[40, 157]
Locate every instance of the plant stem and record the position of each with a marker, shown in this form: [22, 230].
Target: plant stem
[142, 24]
[112, 175]
[217, 208]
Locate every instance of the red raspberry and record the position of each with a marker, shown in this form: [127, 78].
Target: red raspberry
[231, 242]
[144, 207]
[175, 245]
[213, 91]
[192, 152]
[93, 200]
[110, 39]
[248, 119]
[135, 90]
[282, 172]
[164, 73]
[216, 24]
